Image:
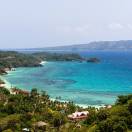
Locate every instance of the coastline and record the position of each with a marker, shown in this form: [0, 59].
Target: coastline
[84, 106]
[9, 86]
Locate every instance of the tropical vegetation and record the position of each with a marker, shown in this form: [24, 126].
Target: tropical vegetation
[19, 111]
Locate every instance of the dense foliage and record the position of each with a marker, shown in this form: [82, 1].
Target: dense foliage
[58, 56]
[116, 119]
[23, 111]
[14, 59]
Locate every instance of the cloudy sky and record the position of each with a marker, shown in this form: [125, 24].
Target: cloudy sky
[41, 23]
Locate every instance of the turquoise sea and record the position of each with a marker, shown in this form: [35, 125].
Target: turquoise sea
[83, 83]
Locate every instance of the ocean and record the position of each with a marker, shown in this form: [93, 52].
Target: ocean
[93, 84]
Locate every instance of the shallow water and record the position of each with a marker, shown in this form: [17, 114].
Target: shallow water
[84, 83]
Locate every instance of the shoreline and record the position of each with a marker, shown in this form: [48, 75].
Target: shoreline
[9, 86]
[84, 106]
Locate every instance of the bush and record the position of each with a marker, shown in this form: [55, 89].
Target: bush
[102, 115]
[130, 106]
[120, 127]
[4, 91]
[120, 111]
[92, 117]
[122, 99]
[105, 126]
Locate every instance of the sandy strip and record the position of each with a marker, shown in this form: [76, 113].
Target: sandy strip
[43, 62]
[80, 105]
[7, 84]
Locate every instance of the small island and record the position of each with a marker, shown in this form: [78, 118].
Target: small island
[93, 60]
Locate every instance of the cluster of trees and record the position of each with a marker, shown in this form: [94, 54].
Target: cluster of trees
[116, 119]
[9, 59]
[22, 111]
[58, 56]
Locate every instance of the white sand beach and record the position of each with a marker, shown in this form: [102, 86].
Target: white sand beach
[43, 62]
[7, 84]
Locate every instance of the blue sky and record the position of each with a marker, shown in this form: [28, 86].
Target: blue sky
[44, 23]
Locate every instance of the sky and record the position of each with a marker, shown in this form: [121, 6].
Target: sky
[47, 23]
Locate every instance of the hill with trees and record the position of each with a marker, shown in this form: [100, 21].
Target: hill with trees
[12, 59]
[122, 45]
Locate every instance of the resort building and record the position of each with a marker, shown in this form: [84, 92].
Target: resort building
[19, 91]
[78, 115]
[108, 106]
[2, 85]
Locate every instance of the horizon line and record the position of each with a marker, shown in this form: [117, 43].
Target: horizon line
[15, 48]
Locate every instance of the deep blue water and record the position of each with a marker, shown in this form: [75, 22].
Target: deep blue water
[84, 83]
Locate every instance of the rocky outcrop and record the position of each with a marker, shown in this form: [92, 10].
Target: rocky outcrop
[93, 60]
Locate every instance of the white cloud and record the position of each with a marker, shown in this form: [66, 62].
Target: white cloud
[129, 26]
[74, 29]
[81, 29]
[115, 26]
